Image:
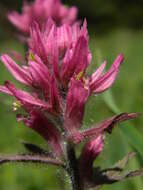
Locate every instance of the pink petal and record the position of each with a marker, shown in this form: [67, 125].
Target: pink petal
[89, 153]
[78, 62]
[72, 15]
[53, 52]
[25, 98]
[37, 44]
[5, 90]
[19, 73]
[40, 11]
[104, 82]
[46, 27]
[75, 103]
[97, 73]
[84, 31]
[40, 75]
[54, 96]
[18, 21]
[64, 37]
[81, 56]
[107, 125]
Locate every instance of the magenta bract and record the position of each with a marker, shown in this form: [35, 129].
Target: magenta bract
[59, 87]
[40, 11]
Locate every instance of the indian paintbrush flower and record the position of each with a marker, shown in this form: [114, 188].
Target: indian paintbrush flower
[58, 90]
[40, 11]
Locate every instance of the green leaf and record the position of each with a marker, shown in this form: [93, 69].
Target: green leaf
[108, 99]
[114, 174]
[131, 133]
[121, 164]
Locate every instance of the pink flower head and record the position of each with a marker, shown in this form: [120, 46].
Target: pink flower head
[40, 11]
[63, 48]
[58, 87]
[63, 38]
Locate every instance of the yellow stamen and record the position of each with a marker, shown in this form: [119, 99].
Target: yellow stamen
[31, 56]
[79, 75]
[16, 105]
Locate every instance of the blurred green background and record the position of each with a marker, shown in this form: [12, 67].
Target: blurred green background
[115, 26]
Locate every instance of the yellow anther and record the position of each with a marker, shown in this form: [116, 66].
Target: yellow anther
[31, 56]
[79, 75]
[16, 105]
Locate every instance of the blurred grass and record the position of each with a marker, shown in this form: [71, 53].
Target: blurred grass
[127, 91]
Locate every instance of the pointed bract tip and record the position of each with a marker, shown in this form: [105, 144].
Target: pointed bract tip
[2, 57]
[120, 58]
[126, 116]
[85, 23]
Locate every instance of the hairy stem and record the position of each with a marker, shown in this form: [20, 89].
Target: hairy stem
[72, 168]
[30, 159]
